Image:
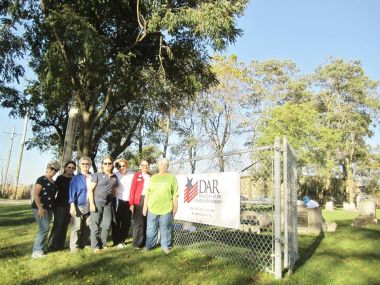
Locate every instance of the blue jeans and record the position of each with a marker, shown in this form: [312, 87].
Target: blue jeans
[43, 229]
[102, 217]
[165, 223]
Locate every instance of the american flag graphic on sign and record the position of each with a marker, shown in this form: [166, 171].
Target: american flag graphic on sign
[191, 190]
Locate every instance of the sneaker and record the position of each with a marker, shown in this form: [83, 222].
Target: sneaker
[166, 251]
[74, 250]
[137, 248]
[121, 245]
[38, 254]
[145, 249]
[97, 250]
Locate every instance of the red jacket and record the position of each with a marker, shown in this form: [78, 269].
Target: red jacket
[136, 189]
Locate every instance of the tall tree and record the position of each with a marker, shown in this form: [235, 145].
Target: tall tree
[223, 106]
[109, 56]
[347, 103]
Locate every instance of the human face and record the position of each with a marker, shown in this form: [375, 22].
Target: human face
[51, 171]
[107, 165]
[122, 167]
[163, 167]
[85, 166]
[144, 166]
[70, 168]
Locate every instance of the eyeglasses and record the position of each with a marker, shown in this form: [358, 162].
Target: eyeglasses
[71, 167]
[52, 168]
[85, 164]
[107, 163]
[144, 164]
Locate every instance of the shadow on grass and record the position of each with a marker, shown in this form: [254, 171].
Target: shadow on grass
[15, 215]
[130, 267]
[307, 252]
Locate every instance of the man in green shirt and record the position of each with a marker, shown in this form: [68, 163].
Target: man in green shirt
[161, 204]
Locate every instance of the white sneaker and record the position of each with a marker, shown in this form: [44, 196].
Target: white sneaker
[38, 254]
[120, 245]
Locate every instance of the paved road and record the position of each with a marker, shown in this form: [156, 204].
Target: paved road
[14, 202]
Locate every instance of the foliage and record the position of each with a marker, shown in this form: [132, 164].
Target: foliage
[114, 60]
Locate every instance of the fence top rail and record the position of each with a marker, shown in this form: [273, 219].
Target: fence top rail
[224, 154]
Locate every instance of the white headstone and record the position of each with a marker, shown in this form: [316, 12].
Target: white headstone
[349, 206]
[366, 206]
[329, 206]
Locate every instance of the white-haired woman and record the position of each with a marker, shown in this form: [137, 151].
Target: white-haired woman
[79, 209]
[161, 204]
[42, 206]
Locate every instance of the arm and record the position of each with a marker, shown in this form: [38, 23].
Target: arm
[90, 196]
[175, 205]
[37, 200]
[132, 193]
[145, 208]
[72, 196]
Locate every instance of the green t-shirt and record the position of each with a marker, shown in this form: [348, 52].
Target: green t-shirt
[161, 191]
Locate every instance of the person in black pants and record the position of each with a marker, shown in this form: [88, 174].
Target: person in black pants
[136, 200]
[61, 208]
[122, 219]
[101, 191]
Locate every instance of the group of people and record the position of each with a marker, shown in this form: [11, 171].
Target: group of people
[94, 204]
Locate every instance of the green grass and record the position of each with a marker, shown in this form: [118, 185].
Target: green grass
[348, 256]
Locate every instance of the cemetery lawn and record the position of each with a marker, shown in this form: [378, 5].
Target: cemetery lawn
[347, 256]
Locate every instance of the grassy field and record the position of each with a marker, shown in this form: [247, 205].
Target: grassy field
[348, 256]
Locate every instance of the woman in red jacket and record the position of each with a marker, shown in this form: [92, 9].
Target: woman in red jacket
[136, 201]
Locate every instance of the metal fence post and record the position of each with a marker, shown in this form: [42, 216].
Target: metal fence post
[277, 209]
[286, 203]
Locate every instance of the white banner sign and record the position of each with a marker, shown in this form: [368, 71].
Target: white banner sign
[211, 198]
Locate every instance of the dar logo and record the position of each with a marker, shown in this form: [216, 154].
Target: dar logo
[191, 190]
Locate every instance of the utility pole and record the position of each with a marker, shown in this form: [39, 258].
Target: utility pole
[21, 151]
[11, 137]
[70, 134]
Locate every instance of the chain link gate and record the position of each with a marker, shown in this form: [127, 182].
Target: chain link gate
[254, 244]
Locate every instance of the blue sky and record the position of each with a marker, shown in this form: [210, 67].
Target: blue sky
[306, 32]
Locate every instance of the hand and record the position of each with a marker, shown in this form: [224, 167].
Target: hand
[145, 210]
[41, 213]
[132, 208]
[73, 211]
[92, 207]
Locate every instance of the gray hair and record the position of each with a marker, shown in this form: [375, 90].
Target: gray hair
[163, 160]
[85, 158]
[54, 164]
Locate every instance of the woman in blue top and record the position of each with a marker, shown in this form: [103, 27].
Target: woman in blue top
[42, 206]
[80, 222]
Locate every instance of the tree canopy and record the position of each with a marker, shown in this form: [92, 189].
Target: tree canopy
[113, 59]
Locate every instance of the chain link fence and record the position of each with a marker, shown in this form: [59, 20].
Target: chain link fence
[254, 243]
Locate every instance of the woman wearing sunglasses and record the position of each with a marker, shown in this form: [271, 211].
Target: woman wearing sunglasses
[100, 193]
[122, 219]
[42, 206]
[61, 208]
[79, 209]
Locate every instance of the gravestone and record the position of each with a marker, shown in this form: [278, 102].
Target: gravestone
[366, 206]
[310, 220]
[329, 206]
[349, 206]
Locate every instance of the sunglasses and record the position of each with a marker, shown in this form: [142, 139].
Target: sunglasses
[52, 168]
[122, 166]
[107, 163]
[70, 167]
